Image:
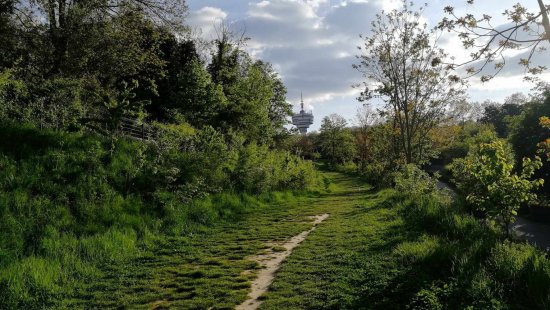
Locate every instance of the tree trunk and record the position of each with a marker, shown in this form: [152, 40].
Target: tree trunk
[545, 21]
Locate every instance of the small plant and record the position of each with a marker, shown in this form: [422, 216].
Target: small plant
[326, 183]
[425, 299]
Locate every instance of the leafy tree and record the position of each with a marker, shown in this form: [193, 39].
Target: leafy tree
[228, 57]
[402, 58]
[365, 118]
[195, 98]
[89, 49]
[256, 97]
[500, 116]
[71, 26]
[304, 146]
[335, 140]
[279, 109]
[464, 111]
[8, 39]
[544, 146]
[455, 142]
[527, 133]
[180, 57]
[487, 178]
[489, 43]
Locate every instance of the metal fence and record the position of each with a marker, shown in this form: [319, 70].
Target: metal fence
[137, 129]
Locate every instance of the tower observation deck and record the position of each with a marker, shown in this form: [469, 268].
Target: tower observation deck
[303, 119]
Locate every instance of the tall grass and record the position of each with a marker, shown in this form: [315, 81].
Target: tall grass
[469, 262]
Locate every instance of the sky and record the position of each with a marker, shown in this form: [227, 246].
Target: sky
[313, 44]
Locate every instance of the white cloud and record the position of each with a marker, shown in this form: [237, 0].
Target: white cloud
[206, 19]
[313, 43]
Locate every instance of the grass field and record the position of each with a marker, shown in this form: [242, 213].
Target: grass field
[207, 267]
[374, 251]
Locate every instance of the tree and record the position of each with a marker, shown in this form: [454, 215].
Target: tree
[227, 57]
[365, 119]
[486, 177]
[464, 111]
[181, 58]
[257, 107]
[69, 23]
[279, 109]
[193, 97]
[8, 39]
[73, 54]
[401, 58]
[500, 116]
[489, 43]
[336, 142]
[527, 133]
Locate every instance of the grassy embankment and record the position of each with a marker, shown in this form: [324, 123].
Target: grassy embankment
[73, 208]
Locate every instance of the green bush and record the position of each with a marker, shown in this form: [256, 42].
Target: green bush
[414, 182]
[425, 300]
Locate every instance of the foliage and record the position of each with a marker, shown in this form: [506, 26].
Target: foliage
[305, 146]
[527, 134]
[414, 182]
[377, 154]
[500, 117]
[257, 106]
[486, 177]
[454, 142]
[11, 92]
[194, 97]
[477, 33]
[335, 141]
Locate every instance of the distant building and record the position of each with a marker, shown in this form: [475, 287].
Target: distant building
[302, 120]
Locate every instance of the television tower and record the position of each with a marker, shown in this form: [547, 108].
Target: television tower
[303, 119]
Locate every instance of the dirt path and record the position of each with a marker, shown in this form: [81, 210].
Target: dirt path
[271, 262]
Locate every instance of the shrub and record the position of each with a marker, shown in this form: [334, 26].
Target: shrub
[414, 182]
[486, 178]
[425, 300]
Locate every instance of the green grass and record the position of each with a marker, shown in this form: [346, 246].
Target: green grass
[376, 250]
[201, 270]
[74, 209]
[206, 268]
